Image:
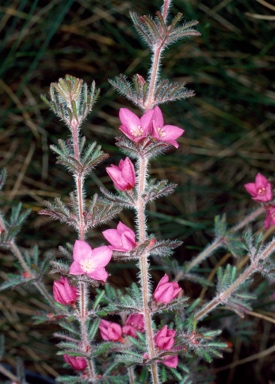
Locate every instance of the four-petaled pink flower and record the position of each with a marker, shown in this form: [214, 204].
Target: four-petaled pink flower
[90, 262]
[261, 190]
[166, 133]
[64, 293]
[122, 239]
[164, 339]
[133, 127]
[123, 175]
[110, 331]
[77, 362]
[134, 323]
[270, 217]
[165, 291]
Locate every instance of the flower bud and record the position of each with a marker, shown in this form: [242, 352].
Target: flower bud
[165, 291]
[77, 362]
[134, 323]
[164, 339]
[63, 292]
[123, 175]
[122, 239]
[110, 331]
[141, 80]
[171, 361]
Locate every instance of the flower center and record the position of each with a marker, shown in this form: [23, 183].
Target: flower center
[87, 265]
[161, 132]
[137, 132]
[261, 191]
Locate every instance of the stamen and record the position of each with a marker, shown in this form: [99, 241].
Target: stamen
[137, 132]
[87, 265]
[261, 191]
[161, 132]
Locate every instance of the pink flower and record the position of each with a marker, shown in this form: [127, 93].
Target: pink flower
[171, 361]
[90, 262]
[133, 127]
[123, 176]
[134, 323]
[77, 362]
[122, 239]
[164, 339]
[165, 291]
[261, 190]
[63, 292]
[110, 331]
[166, 133]
[270, 217]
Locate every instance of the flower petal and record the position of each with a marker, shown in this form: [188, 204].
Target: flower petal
[112, 236]
[146, 121]
[115, 174]
[98, 274]
[101, 256]
[82, 251]
[261, 181]
[171, 361]
[163, 280]
[128, 171]
[128, 119]
[251, 189]
[76, 269]
[172, 132]
[158, 117]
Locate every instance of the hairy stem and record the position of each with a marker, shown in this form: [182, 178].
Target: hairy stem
[79, 180]
[153, 78]
[247, 219]
[165, 8]
[131, 375]
[155, 67]
[140, 206]
[241, 279]
[142, 176]
[82, 300]
[219, 242]
[144, 265]
[83, 319]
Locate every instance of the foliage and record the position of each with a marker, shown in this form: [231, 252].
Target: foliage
[227, 82]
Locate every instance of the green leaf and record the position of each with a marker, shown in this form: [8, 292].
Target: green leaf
[13, 281]
[68, 379]
[93, 328]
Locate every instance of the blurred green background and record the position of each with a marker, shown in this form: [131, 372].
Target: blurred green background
[229, 128]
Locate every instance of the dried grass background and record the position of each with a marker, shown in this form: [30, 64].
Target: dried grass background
[229, 136]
